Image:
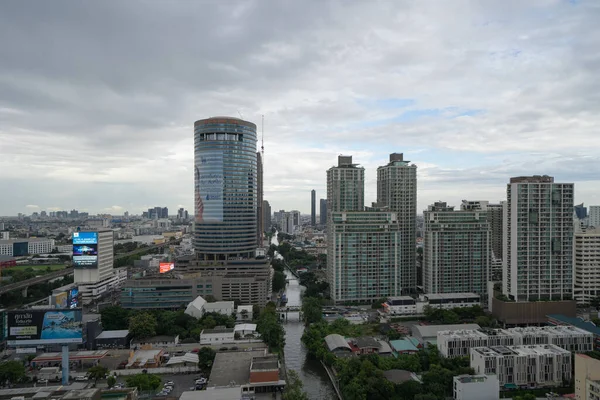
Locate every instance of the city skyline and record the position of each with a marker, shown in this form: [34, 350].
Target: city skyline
[472, 97]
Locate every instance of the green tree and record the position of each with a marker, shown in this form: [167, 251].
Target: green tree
[526, 396]
[12, 371]
[270, 329]
[312, 310]
[206, 356]
[142, 326]
[111, 381]
[278, 281]
[143, 381]
[595, 302]
[293, 387]
[97, 372]
[115, 318]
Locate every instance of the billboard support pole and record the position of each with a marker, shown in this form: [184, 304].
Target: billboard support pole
[65, 364]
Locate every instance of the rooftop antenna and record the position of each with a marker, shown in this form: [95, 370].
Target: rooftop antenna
[240, 114]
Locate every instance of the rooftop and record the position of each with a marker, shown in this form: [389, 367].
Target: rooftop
[471, 378]
[432, 330]
[232, 368]
[245, 327]
[399, 376]
[218, 305]
[403, 345]
[226, 393]
[81, 393]
[577, 322]
[335, 341]
[216, 330]
[450, 296]
[265, 363]
[113, 334]
[157, 339]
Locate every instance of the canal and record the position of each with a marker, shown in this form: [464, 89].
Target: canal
[316, 382]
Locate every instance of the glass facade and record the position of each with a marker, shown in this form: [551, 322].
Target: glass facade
[225, 188]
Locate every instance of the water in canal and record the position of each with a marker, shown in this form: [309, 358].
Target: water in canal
[316, 382]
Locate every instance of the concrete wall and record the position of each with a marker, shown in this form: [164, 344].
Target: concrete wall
[518, 313]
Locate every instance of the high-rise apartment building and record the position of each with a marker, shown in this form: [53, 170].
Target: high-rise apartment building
[586, 264]
[266, 215]
[313, 207]
[323, 211]
[594, 216]
[495, 215]
[538, 240]
[457, 250]
[397, 190]
[225, 188]
[259, 201]
[345, 186]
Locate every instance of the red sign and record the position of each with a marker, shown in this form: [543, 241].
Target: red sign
[166, 267]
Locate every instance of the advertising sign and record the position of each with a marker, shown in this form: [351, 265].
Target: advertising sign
[209, 187]
[85, 249]
[41, 327]
[26, 350]
[166, 267]
[60, 300]
[73, 298]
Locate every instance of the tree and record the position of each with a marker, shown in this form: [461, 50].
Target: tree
[378, 304]
[312, 310]
[142, 326]
[111, 381]
[595, 302]
[206, 356]
[143, 381]
[278, 281]
[270, 329]
[114, 318]
[526, 396]
[293, 387]
[97, 372]
[12, 371]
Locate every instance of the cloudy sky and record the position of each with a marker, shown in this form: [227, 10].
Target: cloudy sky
[98, 99]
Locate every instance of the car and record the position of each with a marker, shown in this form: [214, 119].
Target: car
[200, 381]
[170, 383]
[234, 348]
[223, 349]
[195, 350]
[42, 381]
[81, 378]
[168, 388]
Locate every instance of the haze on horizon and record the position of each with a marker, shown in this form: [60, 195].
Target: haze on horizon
[98, 99]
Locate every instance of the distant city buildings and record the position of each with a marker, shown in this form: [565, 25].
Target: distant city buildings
[19, 247]
[594, 216]
[156, 213]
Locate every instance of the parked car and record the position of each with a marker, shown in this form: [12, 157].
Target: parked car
[170, 383]
[42, 381]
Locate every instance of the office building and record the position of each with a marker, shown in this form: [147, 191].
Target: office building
[476, 387]
[539, 365]
[594, 216]
[323, 211]
[313, 207]
[225, 188]
[397, 190]
[586, 263]
[458, 343]
[538, 240]
[587, 377]
[457, 250]
[345, 186]
[259, 201]
[266, 216]
[25, 247]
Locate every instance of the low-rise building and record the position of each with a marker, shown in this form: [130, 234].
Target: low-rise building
[400, 376]
[337, 345]
[428, 333]
[118, 339]
[163, 341]
[145, 359]
[26, 247]
[404, 346]
[458, 343]
[244, 313]
[220, 307]
[532, 366]
[219, 335]
[186, 360]
[407, 305]
[476, 387]
[245, 330]
[559, 319]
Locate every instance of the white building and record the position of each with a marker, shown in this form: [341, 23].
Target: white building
[196, 307]
[458, 343]
[219, 335]
[244, 313]
[476, 387]
[220, 307]
[586, 264]
[94, 291]
[407, 305]
[24, 247]
[540, 365]
[594, 216]
[104, 269]
[244, 330]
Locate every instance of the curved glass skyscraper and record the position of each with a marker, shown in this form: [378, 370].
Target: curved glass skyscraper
[225, 188]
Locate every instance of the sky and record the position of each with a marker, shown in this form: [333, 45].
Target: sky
[98, 99]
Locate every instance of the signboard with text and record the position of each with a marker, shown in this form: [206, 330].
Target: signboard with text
[40, 327]
[85, 249]
[166, 267]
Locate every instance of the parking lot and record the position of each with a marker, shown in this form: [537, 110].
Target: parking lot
[183, 383]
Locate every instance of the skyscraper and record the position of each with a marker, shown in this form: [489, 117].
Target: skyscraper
[313, 207]
[345, 186]
[457, 251]
[362, 245]
[259, 201]
[594, 216]
[323, 211]
[225, 188]
[495, 219]
[266, 215]
[397, 190]
[538, 240]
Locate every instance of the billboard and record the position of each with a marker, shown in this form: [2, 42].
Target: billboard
[60, 300]
[166, 267]
[209, 187]
[41, 327]
[73, 298]
[85, 249]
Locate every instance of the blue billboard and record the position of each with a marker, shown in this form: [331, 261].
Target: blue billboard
[85, 249]
[39, 327]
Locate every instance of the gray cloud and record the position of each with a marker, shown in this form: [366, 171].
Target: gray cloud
[97, 100]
